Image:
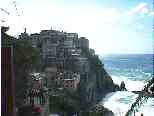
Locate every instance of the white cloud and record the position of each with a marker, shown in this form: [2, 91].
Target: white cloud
[92, 22]
[140, 8]
[145, 10]
[102, 26]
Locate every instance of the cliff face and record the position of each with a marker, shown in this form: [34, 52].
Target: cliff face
[96, 83]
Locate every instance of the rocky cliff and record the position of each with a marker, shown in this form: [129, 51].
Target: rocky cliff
[96, 82]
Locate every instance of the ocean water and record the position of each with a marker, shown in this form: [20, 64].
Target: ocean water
[135, 70]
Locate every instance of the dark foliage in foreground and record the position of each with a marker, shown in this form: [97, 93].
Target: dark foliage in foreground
[25, 59]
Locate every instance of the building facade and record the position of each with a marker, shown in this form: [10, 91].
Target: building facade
[83, 43]
[61, 52]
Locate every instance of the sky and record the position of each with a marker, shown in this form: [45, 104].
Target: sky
[112, 26]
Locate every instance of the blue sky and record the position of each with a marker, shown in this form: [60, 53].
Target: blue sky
[112, 26]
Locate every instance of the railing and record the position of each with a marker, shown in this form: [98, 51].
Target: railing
[141, 99]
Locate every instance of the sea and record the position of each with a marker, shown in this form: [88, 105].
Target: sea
[135, 70]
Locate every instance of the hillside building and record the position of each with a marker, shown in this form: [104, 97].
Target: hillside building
[83, 43]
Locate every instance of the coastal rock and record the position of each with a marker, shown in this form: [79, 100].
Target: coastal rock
[122, 86]
[102, 111]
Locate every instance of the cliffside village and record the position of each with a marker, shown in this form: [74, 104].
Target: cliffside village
[65, 66]
[61, 53]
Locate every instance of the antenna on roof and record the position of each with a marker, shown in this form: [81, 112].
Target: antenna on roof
[25, 30]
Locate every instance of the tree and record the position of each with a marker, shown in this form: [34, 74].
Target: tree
[26, 59]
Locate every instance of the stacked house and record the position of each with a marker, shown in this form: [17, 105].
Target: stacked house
[35, 94]
[61, 53]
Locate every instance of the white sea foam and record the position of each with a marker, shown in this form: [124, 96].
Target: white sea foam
[119, 102]
[148, 108]
[130, 84]
[135, 72]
